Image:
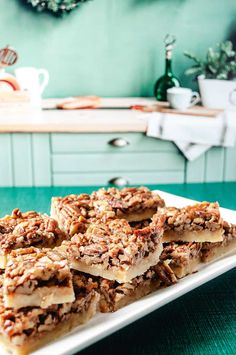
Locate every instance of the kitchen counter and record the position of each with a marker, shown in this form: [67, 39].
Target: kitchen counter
[24, 119]
[200, 322]
[73, 121]
[97, 147]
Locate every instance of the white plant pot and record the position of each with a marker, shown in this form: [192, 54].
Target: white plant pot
[219, 94]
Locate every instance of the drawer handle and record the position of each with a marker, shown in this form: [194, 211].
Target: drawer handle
[119, 142]
[118, 181]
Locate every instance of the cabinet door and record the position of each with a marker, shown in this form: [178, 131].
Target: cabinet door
[99, 159]
[108, 143]
[22, 159]
[123, 178]
[41, 155]
[115, 162]
[25, 159]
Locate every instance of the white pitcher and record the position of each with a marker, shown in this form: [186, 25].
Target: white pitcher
[34, 81]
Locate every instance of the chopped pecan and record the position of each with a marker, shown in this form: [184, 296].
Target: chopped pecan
[198, 217]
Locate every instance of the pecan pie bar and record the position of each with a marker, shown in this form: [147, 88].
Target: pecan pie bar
[184, 258]
[114, 251]
[71, 212]
[22, 230]
[37, 277]
[212, 251]
[198, 223]
[27, 329]
[132, 204]
[115, 296]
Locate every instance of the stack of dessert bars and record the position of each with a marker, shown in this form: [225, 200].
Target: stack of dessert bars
[97, 252]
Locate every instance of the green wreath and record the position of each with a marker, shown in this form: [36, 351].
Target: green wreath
[56, 6]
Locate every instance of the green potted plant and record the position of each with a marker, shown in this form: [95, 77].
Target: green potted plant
[216, 75]
[58, 7]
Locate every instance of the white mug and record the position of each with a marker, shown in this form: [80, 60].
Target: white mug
[182, 98]
[34, 81]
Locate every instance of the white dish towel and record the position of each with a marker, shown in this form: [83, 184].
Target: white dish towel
[194, 135]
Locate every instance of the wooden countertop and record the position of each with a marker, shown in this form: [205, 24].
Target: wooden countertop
[24, 119]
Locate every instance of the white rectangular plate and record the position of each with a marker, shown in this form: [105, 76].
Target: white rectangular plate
[104, 324]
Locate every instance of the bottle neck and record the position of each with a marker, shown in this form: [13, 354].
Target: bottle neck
[168, 70]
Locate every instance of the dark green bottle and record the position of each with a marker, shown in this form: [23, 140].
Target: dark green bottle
[168, 80]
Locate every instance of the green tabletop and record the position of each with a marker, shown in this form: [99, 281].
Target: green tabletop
[201, 322]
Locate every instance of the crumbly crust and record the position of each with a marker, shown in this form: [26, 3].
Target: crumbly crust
[209, 250]
[128, 200]
[22, 230]
[33, 323]
[115, 245]
[198, 217]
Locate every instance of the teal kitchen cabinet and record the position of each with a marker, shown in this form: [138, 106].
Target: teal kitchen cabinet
[25, 159]
[46, 159]
[102, 158]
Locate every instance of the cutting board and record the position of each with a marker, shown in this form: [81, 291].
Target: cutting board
[192, 111]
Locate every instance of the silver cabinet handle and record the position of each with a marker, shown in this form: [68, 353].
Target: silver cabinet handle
[119, 142]
[118, 181]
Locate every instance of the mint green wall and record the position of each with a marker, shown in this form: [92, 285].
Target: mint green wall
[113, 47]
